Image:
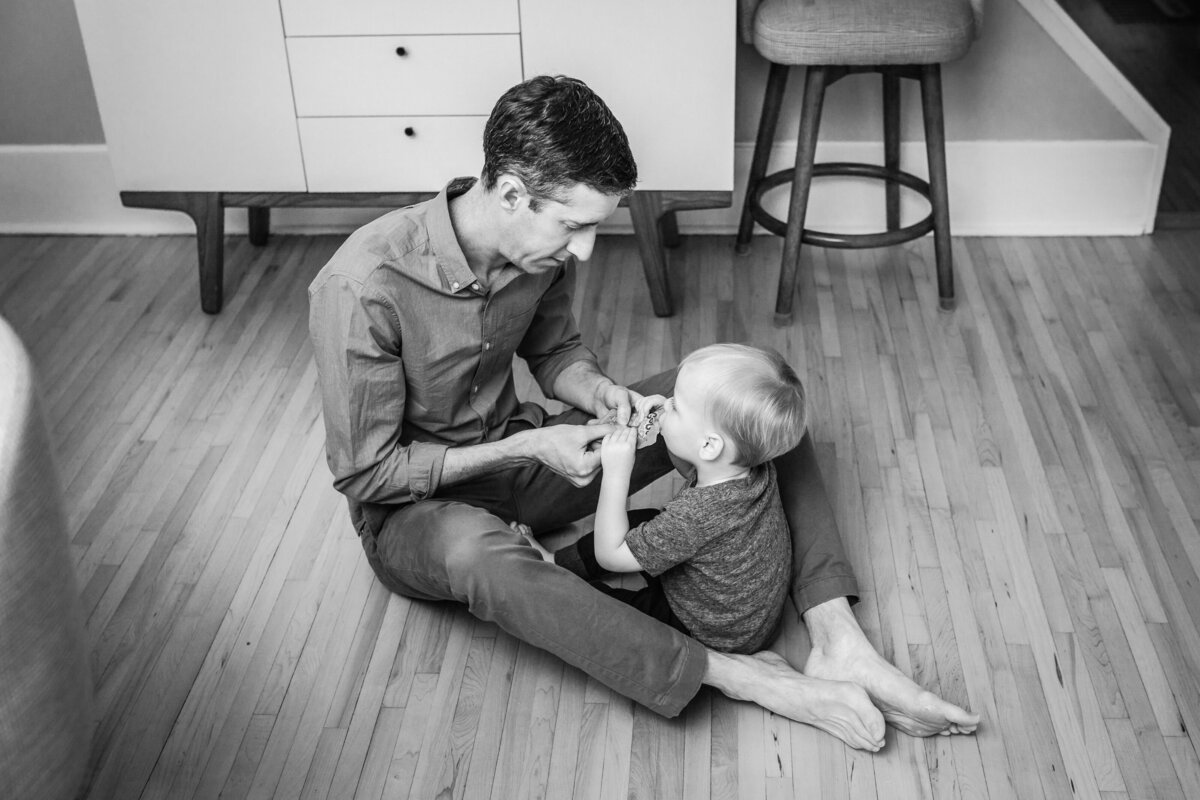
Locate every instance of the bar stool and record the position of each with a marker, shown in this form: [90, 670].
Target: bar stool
[834, 38]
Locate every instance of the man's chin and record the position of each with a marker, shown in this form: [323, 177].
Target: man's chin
[543, 265]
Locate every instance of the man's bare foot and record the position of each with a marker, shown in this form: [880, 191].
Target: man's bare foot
[842, 652]
[527, 532]
[836, 707]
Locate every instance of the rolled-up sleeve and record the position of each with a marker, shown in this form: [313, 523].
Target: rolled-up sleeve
[356, 337]
[552, 342]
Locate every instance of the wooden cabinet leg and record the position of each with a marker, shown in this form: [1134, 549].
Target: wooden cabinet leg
[259, 218]
[207, 210]
[646, 208]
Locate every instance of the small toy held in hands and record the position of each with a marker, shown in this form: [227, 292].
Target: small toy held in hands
[647, 428]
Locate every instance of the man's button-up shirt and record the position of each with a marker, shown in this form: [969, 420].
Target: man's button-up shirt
[415, 355]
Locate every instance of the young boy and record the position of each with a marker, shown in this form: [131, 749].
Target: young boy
[717, 558]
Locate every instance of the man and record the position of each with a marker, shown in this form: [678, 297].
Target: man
[415, 321]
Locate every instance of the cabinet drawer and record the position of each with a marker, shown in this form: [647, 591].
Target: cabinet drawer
[367, 76]
[378, 17]
[374, 154]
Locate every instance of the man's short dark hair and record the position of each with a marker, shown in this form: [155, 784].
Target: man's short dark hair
[553, 133]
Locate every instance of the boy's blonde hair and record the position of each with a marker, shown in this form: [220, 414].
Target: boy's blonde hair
[759, 402]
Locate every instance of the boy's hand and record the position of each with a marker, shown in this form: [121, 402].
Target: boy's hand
[647, 404]
[617, 450]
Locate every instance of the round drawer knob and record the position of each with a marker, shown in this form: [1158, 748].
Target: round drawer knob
[400, 51]
[409, 131]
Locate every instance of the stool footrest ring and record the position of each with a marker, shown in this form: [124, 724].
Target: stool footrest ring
[844, 240]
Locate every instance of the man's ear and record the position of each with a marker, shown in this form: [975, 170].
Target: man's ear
[511, 191]
[712, 447]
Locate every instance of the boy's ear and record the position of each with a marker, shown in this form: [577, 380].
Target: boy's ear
[712, 447]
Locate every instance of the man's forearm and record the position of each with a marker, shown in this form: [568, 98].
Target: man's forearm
[472, 461]
[579, 385]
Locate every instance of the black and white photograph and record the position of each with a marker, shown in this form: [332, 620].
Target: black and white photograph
[559, 400]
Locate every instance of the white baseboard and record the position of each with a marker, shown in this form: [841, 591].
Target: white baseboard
[997, 188]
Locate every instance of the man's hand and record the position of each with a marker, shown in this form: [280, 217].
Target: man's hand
[615, 403]
[567, 450]
[617, 450]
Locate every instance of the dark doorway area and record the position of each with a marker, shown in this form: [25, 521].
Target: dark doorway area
[1156, 45]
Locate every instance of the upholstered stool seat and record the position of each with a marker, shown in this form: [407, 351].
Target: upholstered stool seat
[834, 38]
[863, 32]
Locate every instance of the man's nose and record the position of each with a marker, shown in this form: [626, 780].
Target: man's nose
[581, 244]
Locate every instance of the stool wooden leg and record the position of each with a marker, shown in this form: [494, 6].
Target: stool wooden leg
[891, 144]
[772, 100]
[806, 151]
[935, 147]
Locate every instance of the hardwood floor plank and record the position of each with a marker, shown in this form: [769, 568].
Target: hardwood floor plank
[565, 756]
[753, 753]
[322, 764]
[299, 697]
[378, 759]
[367, 709]
[1153, 678]
[486, 747]
[441, 765]
[407, 753]
[1077, 765]
[211, 747]
[725, 746]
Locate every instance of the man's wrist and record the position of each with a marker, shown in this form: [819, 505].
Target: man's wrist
[599, 406]
[522, 447]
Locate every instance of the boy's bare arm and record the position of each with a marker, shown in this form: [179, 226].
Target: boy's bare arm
[612, 517]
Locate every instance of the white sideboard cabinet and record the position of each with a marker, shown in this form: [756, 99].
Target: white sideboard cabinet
[268, 103]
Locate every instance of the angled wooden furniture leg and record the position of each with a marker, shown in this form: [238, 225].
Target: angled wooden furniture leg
[207, 211]
[654, 225]
[645, 208]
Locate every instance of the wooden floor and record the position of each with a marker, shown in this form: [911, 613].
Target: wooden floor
[1018, 482]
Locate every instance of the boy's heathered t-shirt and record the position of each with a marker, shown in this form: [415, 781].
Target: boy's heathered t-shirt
[724, 555]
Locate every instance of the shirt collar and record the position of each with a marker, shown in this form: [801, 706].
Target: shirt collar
[452, 264]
